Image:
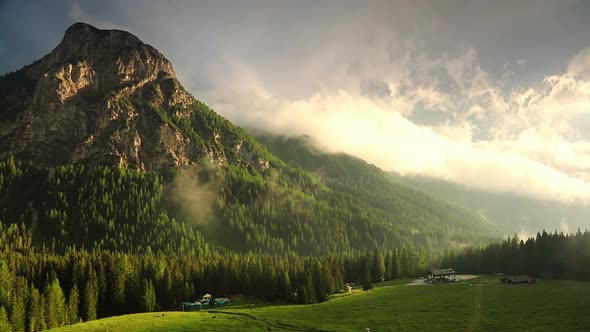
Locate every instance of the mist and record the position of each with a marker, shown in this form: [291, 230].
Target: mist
[195, 196]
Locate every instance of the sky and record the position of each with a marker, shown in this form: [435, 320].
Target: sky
[490, 94]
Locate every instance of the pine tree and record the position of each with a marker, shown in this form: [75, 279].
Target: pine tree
[90, 296]
[148, 298]
[366, 275]
[19, 305]
[54, 304]
[4, 323]
[165, 295]
[36, 319]
[117, 282]
[73, 303]
[301, 294]
[388, 259]
[395, 264]
[337, 270]
[309, 288]
[6, 284]
[287, 291]
[378, 266]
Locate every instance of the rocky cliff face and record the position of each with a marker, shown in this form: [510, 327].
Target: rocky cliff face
[104, 97]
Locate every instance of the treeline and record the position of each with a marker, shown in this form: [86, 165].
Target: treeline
[548, 255]
[41, 289]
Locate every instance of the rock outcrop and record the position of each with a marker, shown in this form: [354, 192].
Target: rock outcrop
[104, 97]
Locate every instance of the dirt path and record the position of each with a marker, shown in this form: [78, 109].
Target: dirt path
[475, 321]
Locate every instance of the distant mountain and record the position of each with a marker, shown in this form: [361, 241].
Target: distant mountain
[103, 148]
[510, 212]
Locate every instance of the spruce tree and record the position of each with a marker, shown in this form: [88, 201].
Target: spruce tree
[287, 291]
[378, 266]
[36, 319]
[90, 296]
[148, 297]
[18, 306]
[4, 323]
[54, 304]
[6, 284]
[73, 304]
[367, 284]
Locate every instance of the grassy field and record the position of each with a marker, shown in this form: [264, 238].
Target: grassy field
[482, 304]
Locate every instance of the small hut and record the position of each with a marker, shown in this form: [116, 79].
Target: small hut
[442, 274]
[521, 279]
[205, 299]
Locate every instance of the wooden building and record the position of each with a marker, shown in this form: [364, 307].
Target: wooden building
[442, 276]
[442, 273]
[522, 279]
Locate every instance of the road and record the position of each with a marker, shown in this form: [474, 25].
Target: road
[475, 321]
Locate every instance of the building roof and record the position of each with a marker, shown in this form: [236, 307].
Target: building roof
[520, 278]
[443, 272]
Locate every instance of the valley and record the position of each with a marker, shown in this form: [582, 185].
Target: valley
[481, 304]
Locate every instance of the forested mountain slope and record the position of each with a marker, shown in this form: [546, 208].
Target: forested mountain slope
[103, 148]
[426, 217]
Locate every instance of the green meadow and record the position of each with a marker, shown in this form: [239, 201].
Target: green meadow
[481, 304]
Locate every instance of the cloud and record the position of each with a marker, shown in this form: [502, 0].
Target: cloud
[521, 141]
[412, 86]
[580, 62]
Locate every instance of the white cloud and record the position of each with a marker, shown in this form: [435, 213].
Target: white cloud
[521, 141]
[580, 62]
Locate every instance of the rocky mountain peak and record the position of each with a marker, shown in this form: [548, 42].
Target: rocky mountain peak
[103, 97]
[100, 60]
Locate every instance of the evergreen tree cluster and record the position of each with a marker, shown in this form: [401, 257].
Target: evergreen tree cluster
[93, 207]
[282, 209]
[548, 255]
[419, 219]
[41, 289]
